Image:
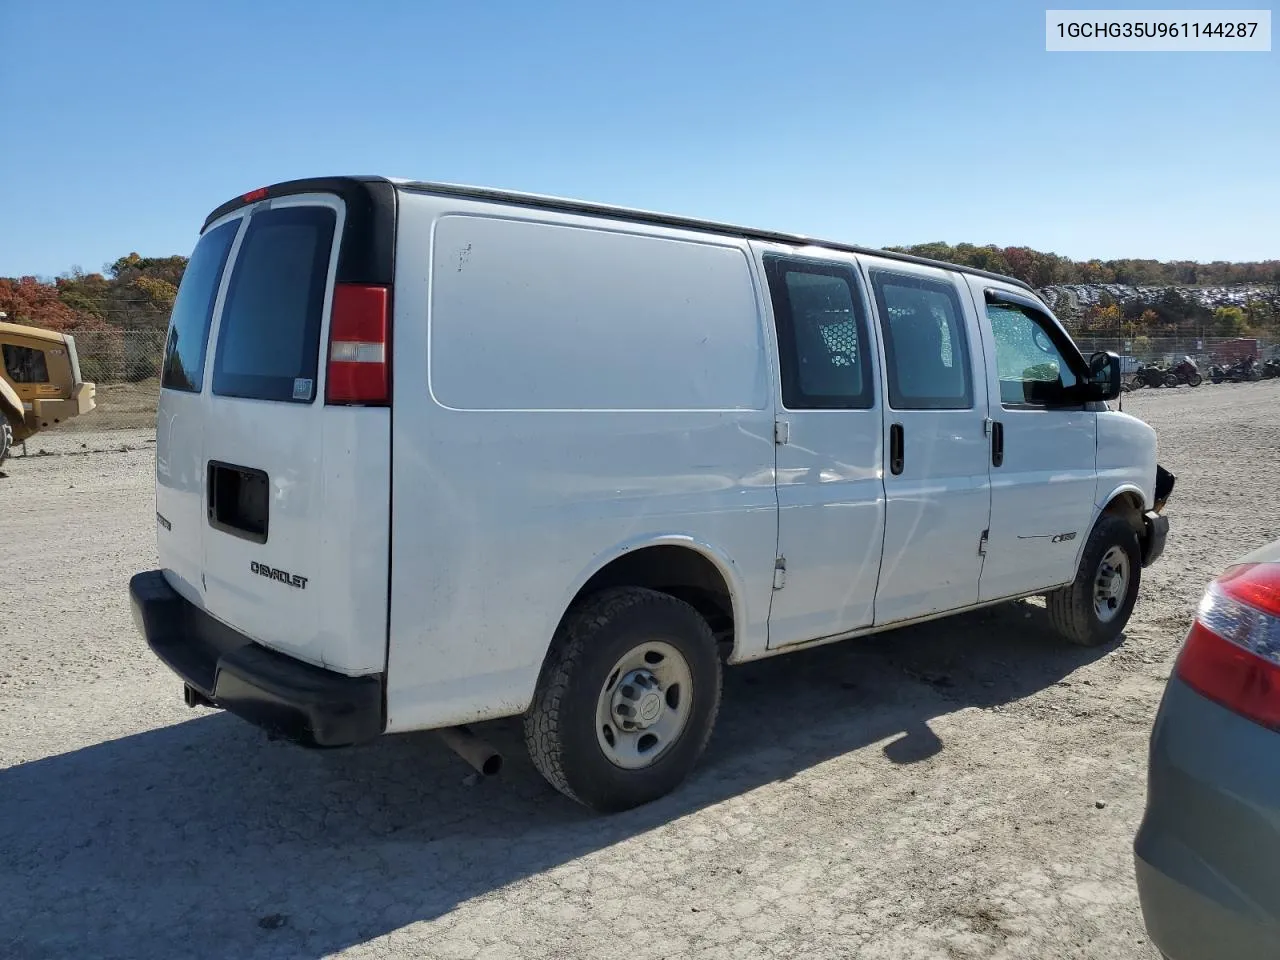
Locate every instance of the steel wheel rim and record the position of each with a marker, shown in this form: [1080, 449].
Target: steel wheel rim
[644, 705]
[1110, 584]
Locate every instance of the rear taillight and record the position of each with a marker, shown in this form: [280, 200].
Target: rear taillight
[1232, 654]
[359, 369]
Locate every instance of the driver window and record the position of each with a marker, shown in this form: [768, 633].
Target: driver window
[1029, 364]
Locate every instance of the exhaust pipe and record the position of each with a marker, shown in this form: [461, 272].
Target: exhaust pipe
[194, 698]
[485, 760]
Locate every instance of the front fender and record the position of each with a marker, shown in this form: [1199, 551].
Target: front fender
[1123, 488]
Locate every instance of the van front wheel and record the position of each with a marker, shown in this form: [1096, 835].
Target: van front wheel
[1094, 608]
[627, 699]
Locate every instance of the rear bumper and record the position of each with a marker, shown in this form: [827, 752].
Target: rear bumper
[46, 413]
[305, 703]
[1207, 855]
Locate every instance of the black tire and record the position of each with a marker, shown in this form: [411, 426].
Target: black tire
[560, 726]
[1071, 608]
[1170, 380]
[6, 438]
[1195, 380]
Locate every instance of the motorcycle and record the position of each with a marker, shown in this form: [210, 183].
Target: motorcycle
[1271, 369]
[1186, 371]
[1244, 369]
[1152, 375]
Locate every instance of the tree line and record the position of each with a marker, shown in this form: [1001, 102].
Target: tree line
[1041, 269]
[133, 293]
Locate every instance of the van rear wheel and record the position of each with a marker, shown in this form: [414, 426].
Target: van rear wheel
[627, 699]
[1094, 608]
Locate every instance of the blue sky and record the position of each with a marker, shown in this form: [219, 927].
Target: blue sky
[894, 123]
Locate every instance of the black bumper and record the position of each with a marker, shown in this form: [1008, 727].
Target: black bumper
[307, 704]
[1155, 526]
[1157, 531]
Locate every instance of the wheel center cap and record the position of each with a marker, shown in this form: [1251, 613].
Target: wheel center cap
[649, 708]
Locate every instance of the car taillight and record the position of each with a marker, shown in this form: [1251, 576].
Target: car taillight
[359, 370]
[1232, 654]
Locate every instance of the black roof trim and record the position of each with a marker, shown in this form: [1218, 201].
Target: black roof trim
[361, 189]
[367, 252]
[685, 223]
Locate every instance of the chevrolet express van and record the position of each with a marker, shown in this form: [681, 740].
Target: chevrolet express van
[429, 455]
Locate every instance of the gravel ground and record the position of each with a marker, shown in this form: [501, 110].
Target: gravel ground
[964, 789]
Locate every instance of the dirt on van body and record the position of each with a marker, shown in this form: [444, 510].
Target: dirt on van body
[964, 789]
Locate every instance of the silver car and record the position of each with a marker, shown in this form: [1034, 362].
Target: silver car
[1208, 851]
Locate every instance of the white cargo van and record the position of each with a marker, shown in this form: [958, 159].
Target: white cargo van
[429, 455]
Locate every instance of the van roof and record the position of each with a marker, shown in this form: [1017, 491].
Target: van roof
[344, 185]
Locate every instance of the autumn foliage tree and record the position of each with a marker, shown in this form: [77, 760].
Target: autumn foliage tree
[30, 301]
[133, 293]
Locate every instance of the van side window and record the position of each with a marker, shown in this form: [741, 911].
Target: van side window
[25, 364]
[1029, 363]
[924, 342]
[817, 308]
[183, 367]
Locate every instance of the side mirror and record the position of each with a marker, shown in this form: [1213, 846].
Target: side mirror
[1104, 381]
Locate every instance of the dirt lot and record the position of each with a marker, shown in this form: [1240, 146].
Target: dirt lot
[965, 789]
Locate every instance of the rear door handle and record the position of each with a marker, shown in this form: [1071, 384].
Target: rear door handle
[897, 449]
[997, 444]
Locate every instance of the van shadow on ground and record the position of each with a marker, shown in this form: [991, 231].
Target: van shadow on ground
[197, 839]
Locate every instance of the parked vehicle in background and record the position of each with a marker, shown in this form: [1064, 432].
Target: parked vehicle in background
[40, 383]
[625, 448]
[1152, 375]
[1186, 371]
[1271, 369]
[1208, 850]
[1227, 352]
[1244, 369]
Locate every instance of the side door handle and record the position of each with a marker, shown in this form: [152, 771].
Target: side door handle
[897, 449]
[997, 443]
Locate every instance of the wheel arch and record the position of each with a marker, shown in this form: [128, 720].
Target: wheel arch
[1126, 500]
[677, 564]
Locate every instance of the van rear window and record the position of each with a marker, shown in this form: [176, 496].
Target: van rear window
[193, 310]
[270, 334]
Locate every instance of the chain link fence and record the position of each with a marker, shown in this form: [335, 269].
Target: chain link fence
[125, 365]
[1205, 351]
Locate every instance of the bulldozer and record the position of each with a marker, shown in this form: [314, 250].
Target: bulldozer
[40, 383]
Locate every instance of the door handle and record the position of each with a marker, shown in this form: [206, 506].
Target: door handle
[997, 444]
[897, 449]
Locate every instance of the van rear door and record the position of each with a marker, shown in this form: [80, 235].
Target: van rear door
[296, 484]
[180, 515]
